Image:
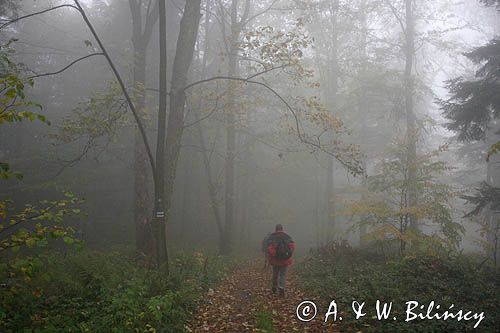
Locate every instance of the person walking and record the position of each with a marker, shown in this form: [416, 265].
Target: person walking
[279, 252]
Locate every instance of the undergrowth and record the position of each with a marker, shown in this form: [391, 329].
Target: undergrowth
[348, 275]
[93, 291]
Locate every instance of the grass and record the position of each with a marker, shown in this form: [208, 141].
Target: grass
[264, 322]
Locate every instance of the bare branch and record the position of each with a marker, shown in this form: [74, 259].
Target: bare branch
[66, 67]
[34, 14]
[245, 14]
[79, 8]
[202, 118]
[75, 160]
[122, 86]
[396, 15]
[267, 71]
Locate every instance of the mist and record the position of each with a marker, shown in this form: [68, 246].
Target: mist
[167, 139]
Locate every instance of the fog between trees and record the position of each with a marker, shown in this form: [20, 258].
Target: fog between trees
[328, 117]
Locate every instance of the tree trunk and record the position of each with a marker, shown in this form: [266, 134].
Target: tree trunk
[411, 128]
[187, 195]
[492, 217]
[364, 109]
[212, 191]
[330, 197]
[160, 220]
[229, 193]
[182, 60]
[141, 169]
[330, 180]
[140, 41]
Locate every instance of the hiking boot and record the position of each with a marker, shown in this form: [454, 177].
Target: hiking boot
[282, 292]
[274, 290]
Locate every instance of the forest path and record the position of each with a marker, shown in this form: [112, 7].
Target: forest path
[243, 302]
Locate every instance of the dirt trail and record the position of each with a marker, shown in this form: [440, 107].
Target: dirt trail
[234, 306]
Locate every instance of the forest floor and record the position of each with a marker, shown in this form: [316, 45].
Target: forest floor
[243, 302]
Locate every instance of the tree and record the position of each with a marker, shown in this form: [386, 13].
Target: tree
[411, 37]
[411, 120]
[141, 35]
[232, 70]
[473, 108]
[360, 79]
[277, 48]
[169, 143]
[255, 52]
[34, 224]
[406, 19]
[475, 103]
[14, 106]
[330, 13]
[487, 199]
[158, 173]
[385, 208]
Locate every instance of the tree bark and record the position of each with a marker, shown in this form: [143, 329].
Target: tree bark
[141, 170]
[182, 60]
[330, 180]
[212, 190]
[229, 193]
[140, 40]
[364, 109]
[159, 188]
[411, 128]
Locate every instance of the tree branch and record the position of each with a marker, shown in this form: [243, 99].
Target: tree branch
[355, 169]
[245, 14]
[267, 71]
[122, 86]
[26, 219]
[34, 14]
[396, 15]
[208, 115]
[66, 67]
[111, 64]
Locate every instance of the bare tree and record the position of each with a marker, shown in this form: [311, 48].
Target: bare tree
[141, 36]
[169, 143]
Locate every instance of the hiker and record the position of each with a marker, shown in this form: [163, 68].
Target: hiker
[279, 252]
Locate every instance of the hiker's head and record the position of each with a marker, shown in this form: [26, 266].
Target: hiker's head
[279, 227]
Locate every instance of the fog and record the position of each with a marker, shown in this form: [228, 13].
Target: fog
[339, 65]
[171, 134]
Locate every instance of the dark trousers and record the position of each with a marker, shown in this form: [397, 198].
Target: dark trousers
[279, 275]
